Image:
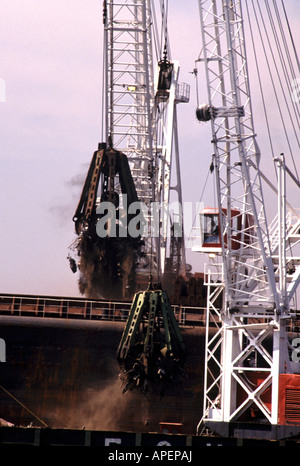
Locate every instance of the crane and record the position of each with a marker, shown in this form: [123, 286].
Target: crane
[122, 220]
[251, 375]
[133, 164]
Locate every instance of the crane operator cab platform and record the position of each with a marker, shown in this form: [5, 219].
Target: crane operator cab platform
[210, 240]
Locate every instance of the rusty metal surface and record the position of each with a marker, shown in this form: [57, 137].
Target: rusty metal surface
[65, 372]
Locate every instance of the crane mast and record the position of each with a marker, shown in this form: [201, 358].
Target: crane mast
[141, 123]
[141, 119]
[129, 81]
[247, 357]
[129, 90]
[124, 225]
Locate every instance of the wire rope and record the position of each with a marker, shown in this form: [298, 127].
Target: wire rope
[291, 35]
[284, 66]
[269, 69]
[23, 406]
[284, 40]
[201, 196]
[280, 82]
[260, 81]
[164, 43]
[155, 31]
[290, 65]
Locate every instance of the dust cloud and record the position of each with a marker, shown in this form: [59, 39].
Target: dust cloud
[105, 409]
[106, 267]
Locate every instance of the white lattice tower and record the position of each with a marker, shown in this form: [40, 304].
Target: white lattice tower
[249, 348]
[137, 123]
[129, 89]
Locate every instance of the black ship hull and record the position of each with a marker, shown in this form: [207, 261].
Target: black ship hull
[63, 373]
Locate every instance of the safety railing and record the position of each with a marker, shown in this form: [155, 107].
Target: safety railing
[88, 309]
[183, 92]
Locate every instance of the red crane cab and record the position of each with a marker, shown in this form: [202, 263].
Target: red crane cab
[210, 239]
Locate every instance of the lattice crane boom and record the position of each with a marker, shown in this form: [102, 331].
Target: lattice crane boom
[141, 120]
[139, 131]
[247, 358]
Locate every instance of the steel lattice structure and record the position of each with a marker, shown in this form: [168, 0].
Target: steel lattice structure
[139, 122]
[249, 349]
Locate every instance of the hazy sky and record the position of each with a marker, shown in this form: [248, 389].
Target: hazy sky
[52, 65]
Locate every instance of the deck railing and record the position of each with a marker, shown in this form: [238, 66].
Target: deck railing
[89, 309]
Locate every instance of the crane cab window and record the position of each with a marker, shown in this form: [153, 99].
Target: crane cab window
[210, 234]
[210, 224]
